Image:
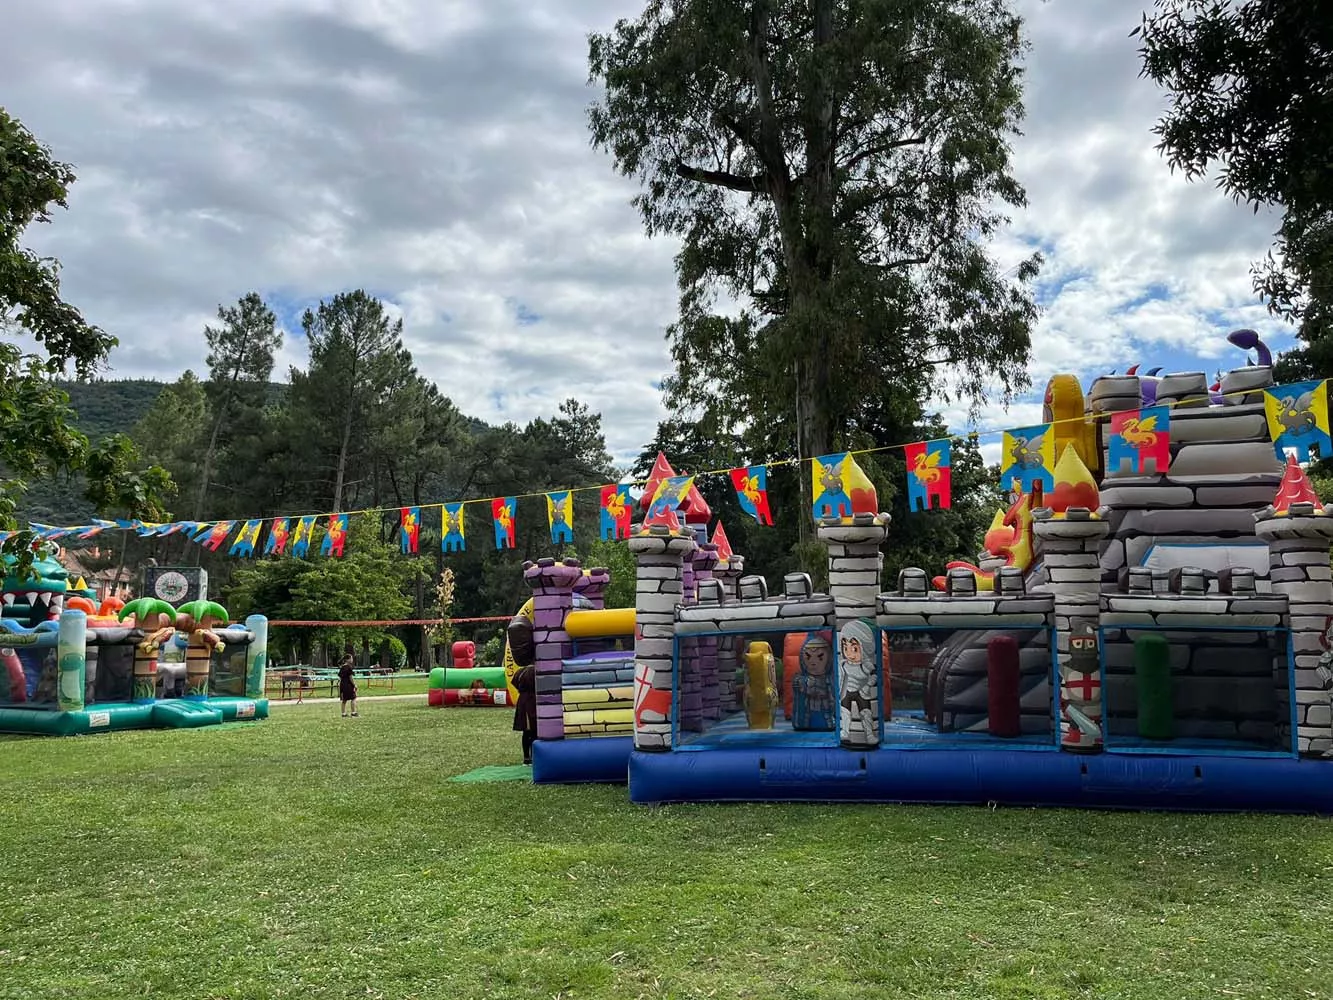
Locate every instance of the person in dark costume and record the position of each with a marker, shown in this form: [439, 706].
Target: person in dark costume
[346, 685]
[524, 652]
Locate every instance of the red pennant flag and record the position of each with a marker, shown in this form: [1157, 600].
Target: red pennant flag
[751, 483]
[929, 471]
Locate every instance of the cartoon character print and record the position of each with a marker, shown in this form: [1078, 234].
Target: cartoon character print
[858, 696]
[812, 692]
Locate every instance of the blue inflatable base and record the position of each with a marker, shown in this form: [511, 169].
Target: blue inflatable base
[581, 760]
[981, 777]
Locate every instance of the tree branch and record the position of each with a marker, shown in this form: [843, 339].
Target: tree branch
[882, 147]
[754, 184]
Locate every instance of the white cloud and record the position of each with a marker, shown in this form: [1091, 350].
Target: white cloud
[437, 155]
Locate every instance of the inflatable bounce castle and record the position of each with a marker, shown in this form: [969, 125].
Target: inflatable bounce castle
[584, 658]
[1147, 627]
[68, 666]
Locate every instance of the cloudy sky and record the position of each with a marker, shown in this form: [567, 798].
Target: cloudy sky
[435, 152]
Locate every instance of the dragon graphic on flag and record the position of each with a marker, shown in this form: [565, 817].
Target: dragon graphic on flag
[1298, 420]
[560, 516]
[409, 534]
[335, 538]
[304, 532]
[929, 470]
[615, 511]
[670, 494]
[278, 533]
[751, 483]
[247, 539]
[502, 514]
[211, 536]
[1136, 437]
[452, 538]
[1029, 458]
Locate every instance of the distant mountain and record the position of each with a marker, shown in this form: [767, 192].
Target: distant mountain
[104, 407]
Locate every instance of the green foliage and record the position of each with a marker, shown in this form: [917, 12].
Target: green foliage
[838, 168]
[616, 557]
[491, 652]
[240, 361]
[37, 435]
[372, 582]
[357, 359]
[32, 183]
[1251, 88]
[397, 652]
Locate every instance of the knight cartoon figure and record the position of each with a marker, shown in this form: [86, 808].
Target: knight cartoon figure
[812, 692]
[1080, 691]
[859, 686]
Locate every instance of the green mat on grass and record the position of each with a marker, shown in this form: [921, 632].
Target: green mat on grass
[496, 772]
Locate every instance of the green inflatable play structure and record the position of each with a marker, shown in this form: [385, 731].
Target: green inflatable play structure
[69, 666]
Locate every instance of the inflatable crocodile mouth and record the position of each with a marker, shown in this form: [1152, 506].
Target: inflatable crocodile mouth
[38, 598]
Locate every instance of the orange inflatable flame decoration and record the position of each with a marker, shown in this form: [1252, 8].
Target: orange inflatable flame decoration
[1074, 485]
[1009, 538]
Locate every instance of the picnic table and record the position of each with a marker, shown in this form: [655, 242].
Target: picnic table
[303, 681]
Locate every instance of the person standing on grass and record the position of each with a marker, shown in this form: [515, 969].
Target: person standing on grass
[524, 651]
[346, 685]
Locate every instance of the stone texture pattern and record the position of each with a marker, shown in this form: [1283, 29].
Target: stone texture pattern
[691, 709]
[659, 556]
[705, 560]
[729, 575]
[854, 562]
[1226, 685]
[1070, 551]
[552, 584]
[956, 686]
[1298, 549]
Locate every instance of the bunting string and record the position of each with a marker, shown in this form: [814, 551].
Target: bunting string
[1297, 415]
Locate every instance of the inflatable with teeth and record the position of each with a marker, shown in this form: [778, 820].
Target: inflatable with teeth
[69, 665]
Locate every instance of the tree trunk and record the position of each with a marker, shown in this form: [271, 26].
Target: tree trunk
[207, 470]
[342, 460]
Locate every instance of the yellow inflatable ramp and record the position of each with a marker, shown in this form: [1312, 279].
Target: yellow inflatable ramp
[599, 624]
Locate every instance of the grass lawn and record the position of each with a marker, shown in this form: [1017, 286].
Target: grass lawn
[310, 856]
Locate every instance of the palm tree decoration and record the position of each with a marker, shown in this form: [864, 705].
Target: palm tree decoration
[155, 619]
[197, 619]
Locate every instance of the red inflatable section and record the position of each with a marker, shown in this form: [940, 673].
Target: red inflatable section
[1003, 669]
[464, 654]
[435, 697]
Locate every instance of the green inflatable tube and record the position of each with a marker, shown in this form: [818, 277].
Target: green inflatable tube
[1152, 675]
[437, 678]
[464, 677]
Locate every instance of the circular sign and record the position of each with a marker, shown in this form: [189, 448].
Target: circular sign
[171, 586]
